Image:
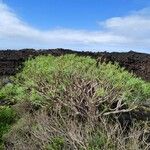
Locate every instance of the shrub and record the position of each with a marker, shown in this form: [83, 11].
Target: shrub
[58, 72]
[7, 117]
[57, 143]
[74, 103]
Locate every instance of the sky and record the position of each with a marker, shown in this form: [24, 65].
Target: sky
[95, 25]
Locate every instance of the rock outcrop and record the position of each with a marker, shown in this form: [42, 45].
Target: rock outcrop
[138, 63]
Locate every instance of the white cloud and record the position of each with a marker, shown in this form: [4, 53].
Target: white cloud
[128, 32]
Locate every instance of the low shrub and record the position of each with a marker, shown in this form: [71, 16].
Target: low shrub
[73, 104]
[7, 118]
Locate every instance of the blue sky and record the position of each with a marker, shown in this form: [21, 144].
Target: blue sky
[113, 25]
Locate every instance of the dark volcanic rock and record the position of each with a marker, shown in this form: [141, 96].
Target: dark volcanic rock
[138, 63]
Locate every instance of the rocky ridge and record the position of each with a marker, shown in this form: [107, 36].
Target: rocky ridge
[138, 63]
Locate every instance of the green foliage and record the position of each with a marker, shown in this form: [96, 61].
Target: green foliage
[7, 91]
[57, 143]
[7, 117]
[59, 85]
[97, 141]
[49, 70]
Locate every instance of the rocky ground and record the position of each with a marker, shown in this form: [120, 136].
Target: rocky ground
[138, 63]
